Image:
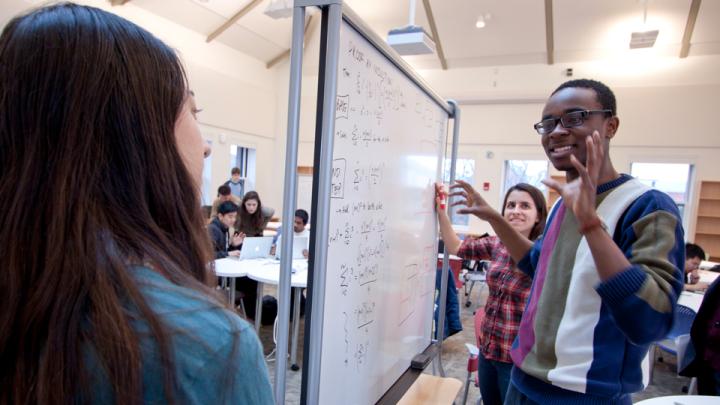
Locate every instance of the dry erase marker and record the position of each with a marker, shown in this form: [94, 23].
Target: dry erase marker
[443, 196]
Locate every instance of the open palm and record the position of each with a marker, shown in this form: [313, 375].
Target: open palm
[471, 199]
[579, 194]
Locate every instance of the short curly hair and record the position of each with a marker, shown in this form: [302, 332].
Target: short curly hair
[604, 95]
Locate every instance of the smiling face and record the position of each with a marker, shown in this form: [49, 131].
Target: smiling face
[563, 142]
[520, 212]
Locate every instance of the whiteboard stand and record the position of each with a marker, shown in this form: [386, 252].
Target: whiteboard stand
[440, 326]
[289, 200]
[335, 18]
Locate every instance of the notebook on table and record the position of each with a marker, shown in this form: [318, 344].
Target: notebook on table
[256, 247]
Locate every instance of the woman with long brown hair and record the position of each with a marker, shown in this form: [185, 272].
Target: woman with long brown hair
[525, 210]
[104, 284]
[252, 216]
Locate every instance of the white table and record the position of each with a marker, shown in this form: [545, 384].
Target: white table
[267, 271]
[229, 268]
[691, 300]
[681, 400]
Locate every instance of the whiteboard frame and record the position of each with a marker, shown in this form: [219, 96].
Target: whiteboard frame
[333, 13]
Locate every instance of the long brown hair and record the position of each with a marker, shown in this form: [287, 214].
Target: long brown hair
[91, 184]
[540, 206]
[255, 220]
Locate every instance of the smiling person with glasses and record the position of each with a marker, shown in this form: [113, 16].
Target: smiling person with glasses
[606, 273]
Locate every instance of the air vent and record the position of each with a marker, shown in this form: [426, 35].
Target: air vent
[643, 39]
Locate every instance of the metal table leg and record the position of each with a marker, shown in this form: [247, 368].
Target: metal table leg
[232, 292]
[258, 306]
[296, 328]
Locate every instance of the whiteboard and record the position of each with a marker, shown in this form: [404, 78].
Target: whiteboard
[382, 237]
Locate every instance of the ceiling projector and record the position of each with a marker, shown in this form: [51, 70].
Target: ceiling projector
[411, 40]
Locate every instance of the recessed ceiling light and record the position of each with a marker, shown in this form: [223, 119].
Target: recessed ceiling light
[482, 20]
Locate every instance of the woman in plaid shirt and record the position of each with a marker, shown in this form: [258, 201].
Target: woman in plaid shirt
[524, 208]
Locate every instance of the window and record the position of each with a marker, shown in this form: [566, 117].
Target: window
[464, 170]
[525, 171]
[671, 178]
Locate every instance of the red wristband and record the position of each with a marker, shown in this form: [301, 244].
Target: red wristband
[590, 225]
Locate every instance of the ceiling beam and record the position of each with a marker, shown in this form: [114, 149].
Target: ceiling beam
[310, 25]
[689, 28]
[549, 33]
[436, 36]
[233, 19]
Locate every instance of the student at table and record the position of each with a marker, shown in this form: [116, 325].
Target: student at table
[299, 230]
[223, 195]
[100, 149]
[694, 254]
[225, 243]
[525, 209]
[252, 216]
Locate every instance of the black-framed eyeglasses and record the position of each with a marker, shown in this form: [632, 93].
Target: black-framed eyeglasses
[568, 120]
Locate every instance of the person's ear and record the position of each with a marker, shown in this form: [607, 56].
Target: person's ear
[612, 125]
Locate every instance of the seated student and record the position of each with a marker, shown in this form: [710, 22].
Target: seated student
[694, 254]
[111, 302]
[299, 223]
[252, 215]
[219, 229]
[223, 195]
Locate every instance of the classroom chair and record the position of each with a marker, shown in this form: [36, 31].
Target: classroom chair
[682, 323]
[476, 274]
[682, 343]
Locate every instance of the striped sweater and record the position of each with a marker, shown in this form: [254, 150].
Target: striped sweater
[582, 340]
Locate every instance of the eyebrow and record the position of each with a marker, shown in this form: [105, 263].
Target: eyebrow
[567, 110]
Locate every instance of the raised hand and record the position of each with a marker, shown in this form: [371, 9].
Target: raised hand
[471, 199]
[238, 239]
[580, 193]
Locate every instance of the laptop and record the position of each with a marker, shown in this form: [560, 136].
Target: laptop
[300, 243]
[256, 247]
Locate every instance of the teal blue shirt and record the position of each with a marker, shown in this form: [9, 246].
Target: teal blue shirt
[217, 356]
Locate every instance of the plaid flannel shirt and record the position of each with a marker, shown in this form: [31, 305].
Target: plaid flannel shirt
[508, 293]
